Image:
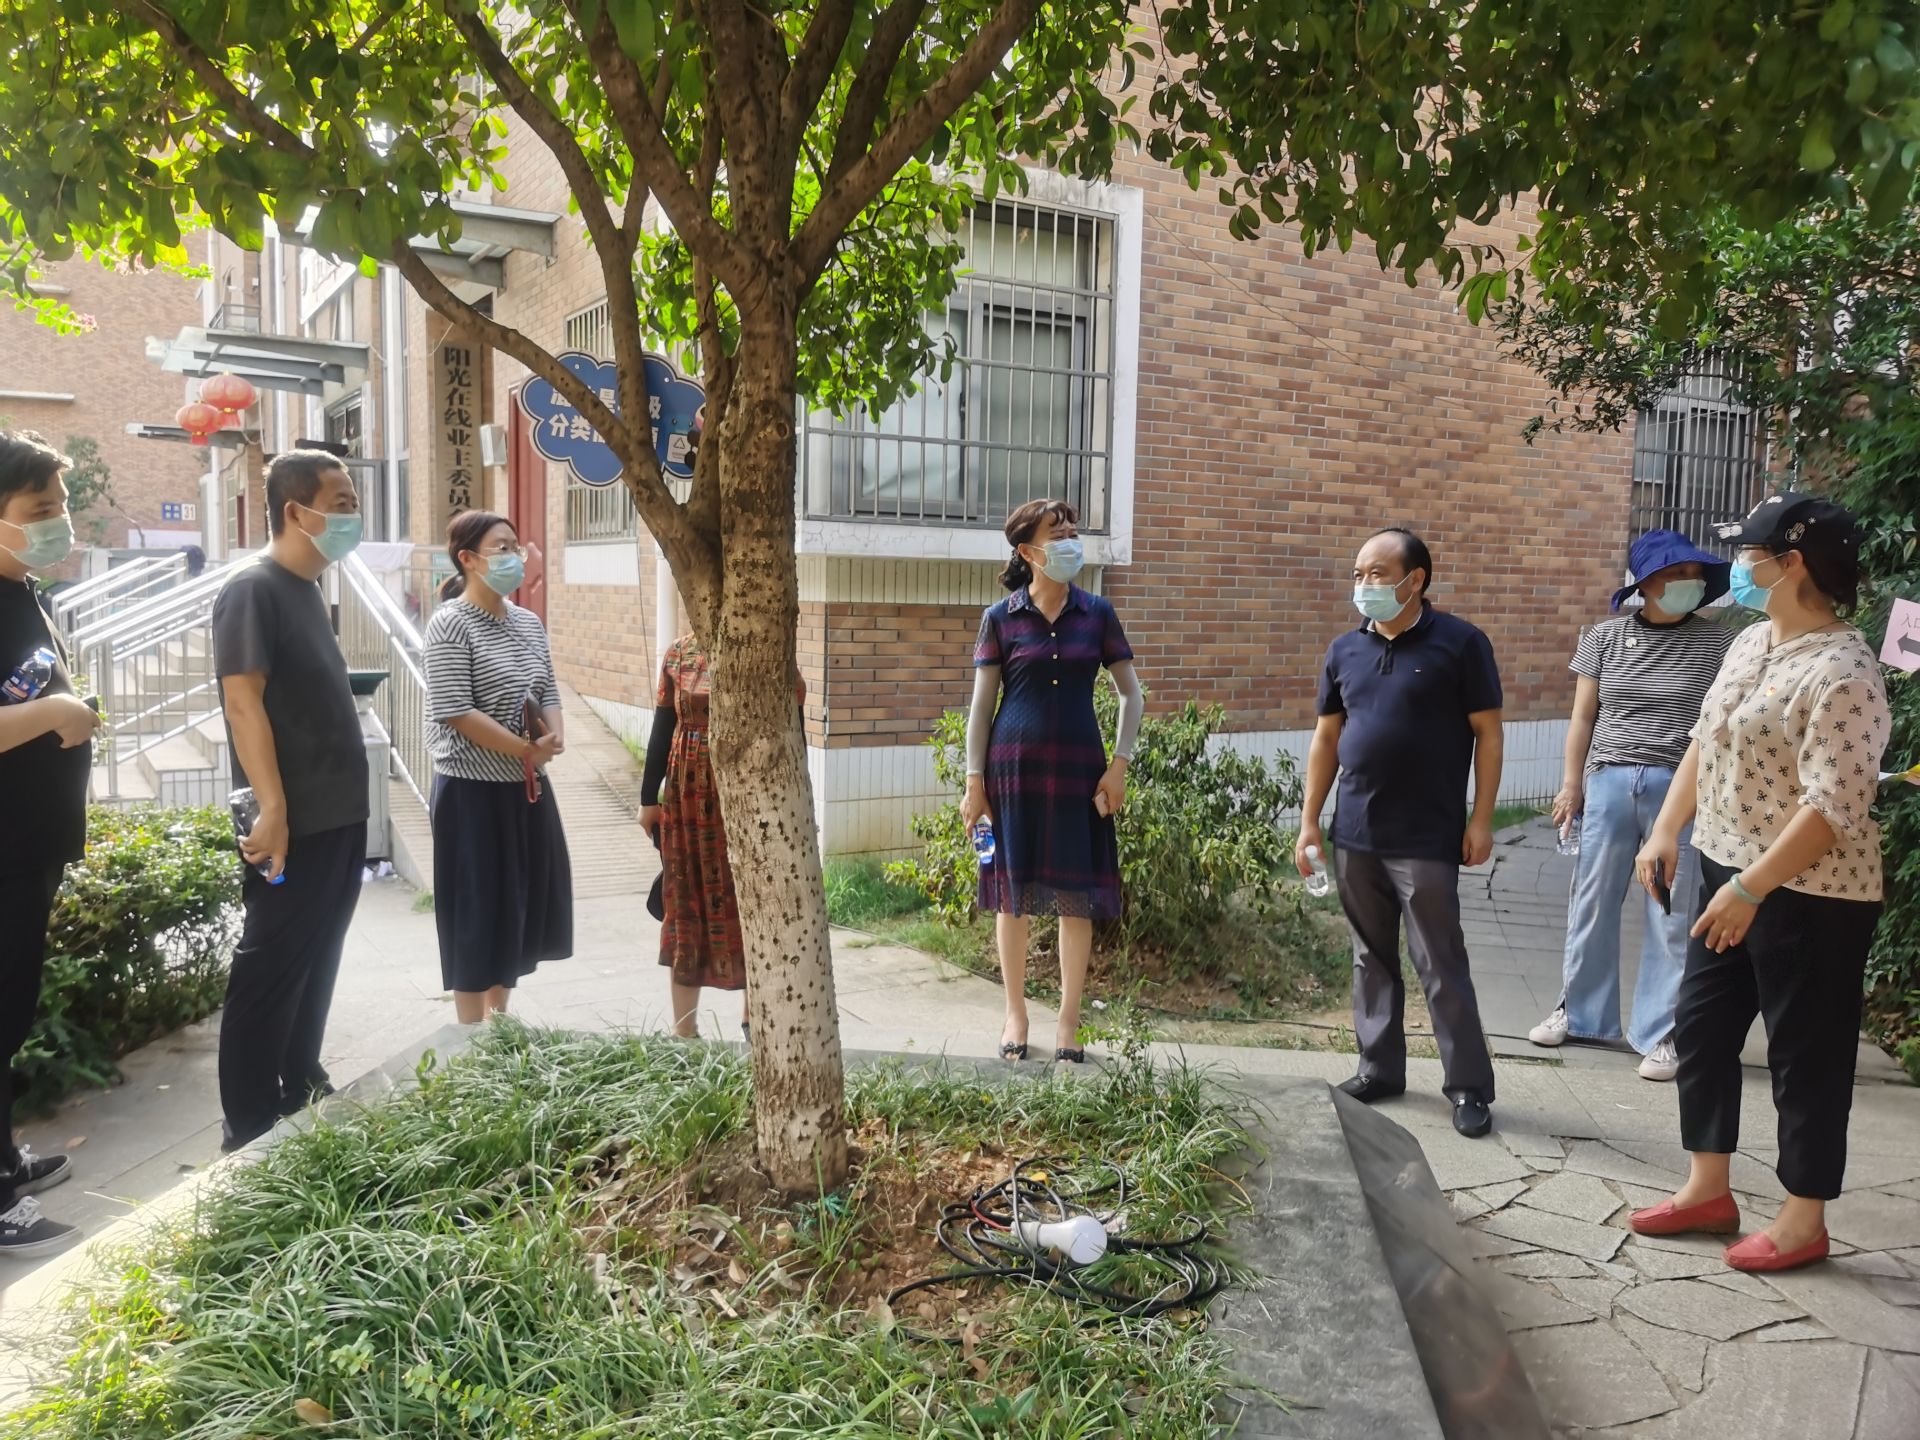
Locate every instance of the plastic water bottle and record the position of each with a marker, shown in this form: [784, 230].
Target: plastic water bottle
[1570, 837]
[29, 677]
[1319, 882]
[245, 808]
[983, 845]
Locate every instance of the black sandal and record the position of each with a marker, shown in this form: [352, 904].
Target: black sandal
[1074, 1057]
[1011, 1051]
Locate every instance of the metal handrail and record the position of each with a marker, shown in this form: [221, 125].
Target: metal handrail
[117, 627]
[375, 634]
[118, 601]
[153, 644]
[70, 597]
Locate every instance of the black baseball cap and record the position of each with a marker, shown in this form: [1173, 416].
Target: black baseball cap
[1805, 523]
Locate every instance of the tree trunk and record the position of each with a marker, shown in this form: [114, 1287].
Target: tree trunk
[760, 765]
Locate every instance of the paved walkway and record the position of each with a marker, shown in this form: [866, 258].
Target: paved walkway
[1621, 1336]
[1657, 1338]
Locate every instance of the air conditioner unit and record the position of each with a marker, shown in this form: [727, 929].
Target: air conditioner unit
[493, 446]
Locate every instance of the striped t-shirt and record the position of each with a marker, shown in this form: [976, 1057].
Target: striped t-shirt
[1652, 681]
[475, 662]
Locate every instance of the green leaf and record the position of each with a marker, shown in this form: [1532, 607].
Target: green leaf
[1816, 146]
[633, 23]
[1835, 19]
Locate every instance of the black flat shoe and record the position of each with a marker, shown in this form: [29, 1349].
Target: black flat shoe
[1471, 1117]
[1369, 1088]
[1011, 1051]
[1072, 1057]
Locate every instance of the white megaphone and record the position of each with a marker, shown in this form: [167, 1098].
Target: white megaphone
[1079, 1240]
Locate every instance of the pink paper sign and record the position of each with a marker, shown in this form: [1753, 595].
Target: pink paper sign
[1902, 647]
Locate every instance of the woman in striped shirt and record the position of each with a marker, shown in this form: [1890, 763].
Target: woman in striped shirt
[1641, 680]
[502, 880]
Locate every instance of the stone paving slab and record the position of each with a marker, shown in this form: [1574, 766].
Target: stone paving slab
[1578, 1197]
[1555, 1232]
[1850, 1309]
[1681, 1358]
[1702, 1309]
[1782, 1392]
[1589, 1376]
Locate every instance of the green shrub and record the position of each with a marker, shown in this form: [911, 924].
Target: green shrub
[1200, 838]
[139, 943]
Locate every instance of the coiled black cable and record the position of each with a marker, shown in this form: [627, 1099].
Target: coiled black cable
[981, 1233]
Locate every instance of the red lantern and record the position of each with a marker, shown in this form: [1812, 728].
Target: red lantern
[200, 420]
[227, 392]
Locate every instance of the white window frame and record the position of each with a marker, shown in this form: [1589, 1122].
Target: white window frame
[1125, 207]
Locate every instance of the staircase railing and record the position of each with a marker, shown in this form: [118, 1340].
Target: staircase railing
[82, 605]
[152, 666]
[375, 634]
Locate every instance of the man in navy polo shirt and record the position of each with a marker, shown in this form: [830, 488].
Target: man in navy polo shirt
[1409, 703]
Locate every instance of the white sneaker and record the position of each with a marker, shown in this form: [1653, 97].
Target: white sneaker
[1662, 1062]
[1552, 1030]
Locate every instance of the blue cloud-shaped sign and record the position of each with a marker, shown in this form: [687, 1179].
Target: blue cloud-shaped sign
[565, 436]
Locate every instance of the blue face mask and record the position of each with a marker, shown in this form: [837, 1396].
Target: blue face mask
[1065, 559]
[341, 537]
[505, 572]
[1379, 603]
[1741, 586]
[1682, 597]
[48, 543]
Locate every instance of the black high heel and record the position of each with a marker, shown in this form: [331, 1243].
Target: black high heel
[1073, 1057]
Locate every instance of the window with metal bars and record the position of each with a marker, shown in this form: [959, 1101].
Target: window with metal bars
[1027, 413]
[1699, 456]
[596, 512]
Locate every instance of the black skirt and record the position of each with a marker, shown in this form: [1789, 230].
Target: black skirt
[502, 882]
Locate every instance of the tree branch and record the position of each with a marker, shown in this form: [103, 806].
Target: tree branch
[638, 193]
[219, 84]
[616, 262]
[813, 68]
[654, 163]
[868, 92]
[642, 475]
[910, 131]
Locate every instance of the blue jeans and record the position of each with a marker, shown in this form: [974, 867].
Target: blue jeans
[1623, 801]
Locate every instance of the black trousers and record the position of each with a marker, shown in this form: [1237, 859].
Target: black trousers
[1800, 968]
[26, 900]
[281, 986]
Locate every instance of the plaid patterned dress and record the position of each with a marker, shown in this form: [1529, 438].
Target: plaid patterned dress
[1054, 853]
[700, 937]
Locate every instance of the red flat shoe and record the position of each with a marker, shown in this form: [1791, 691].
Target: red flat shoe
[1758, 1252]
[1720, 1216]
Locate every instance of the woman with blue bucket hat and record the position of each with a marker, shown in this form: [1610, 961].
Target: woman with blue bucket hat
[1641, 680]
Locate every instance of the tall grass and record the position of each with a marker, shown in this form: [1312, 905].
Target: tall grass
[415, 1268]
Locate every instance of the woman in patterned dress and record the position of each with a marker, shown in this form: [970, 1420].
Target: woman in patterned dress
[1782, 773]
[680, 807]
[1038, 770]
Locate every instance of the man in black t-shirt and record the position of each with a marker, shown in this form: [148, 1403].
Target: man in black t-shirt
[296, 742]
[46, 760]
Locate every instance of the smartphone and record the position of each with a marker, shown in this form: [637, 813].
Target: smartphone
[1664, 894]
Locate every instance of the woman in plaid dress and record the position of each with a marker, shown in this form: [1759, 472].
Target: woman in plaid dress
[1038, 768]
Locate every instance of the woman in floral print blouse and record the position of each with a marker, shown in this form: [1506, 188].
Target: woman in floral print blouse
[1783, 769]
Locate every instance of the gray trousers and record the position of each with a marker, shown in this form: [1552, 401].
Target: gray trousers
[1377, 893]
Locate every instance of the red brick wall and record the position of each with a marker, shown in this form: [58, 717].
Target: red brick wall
[891, 670]
[1288, 408]
[113, 384]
